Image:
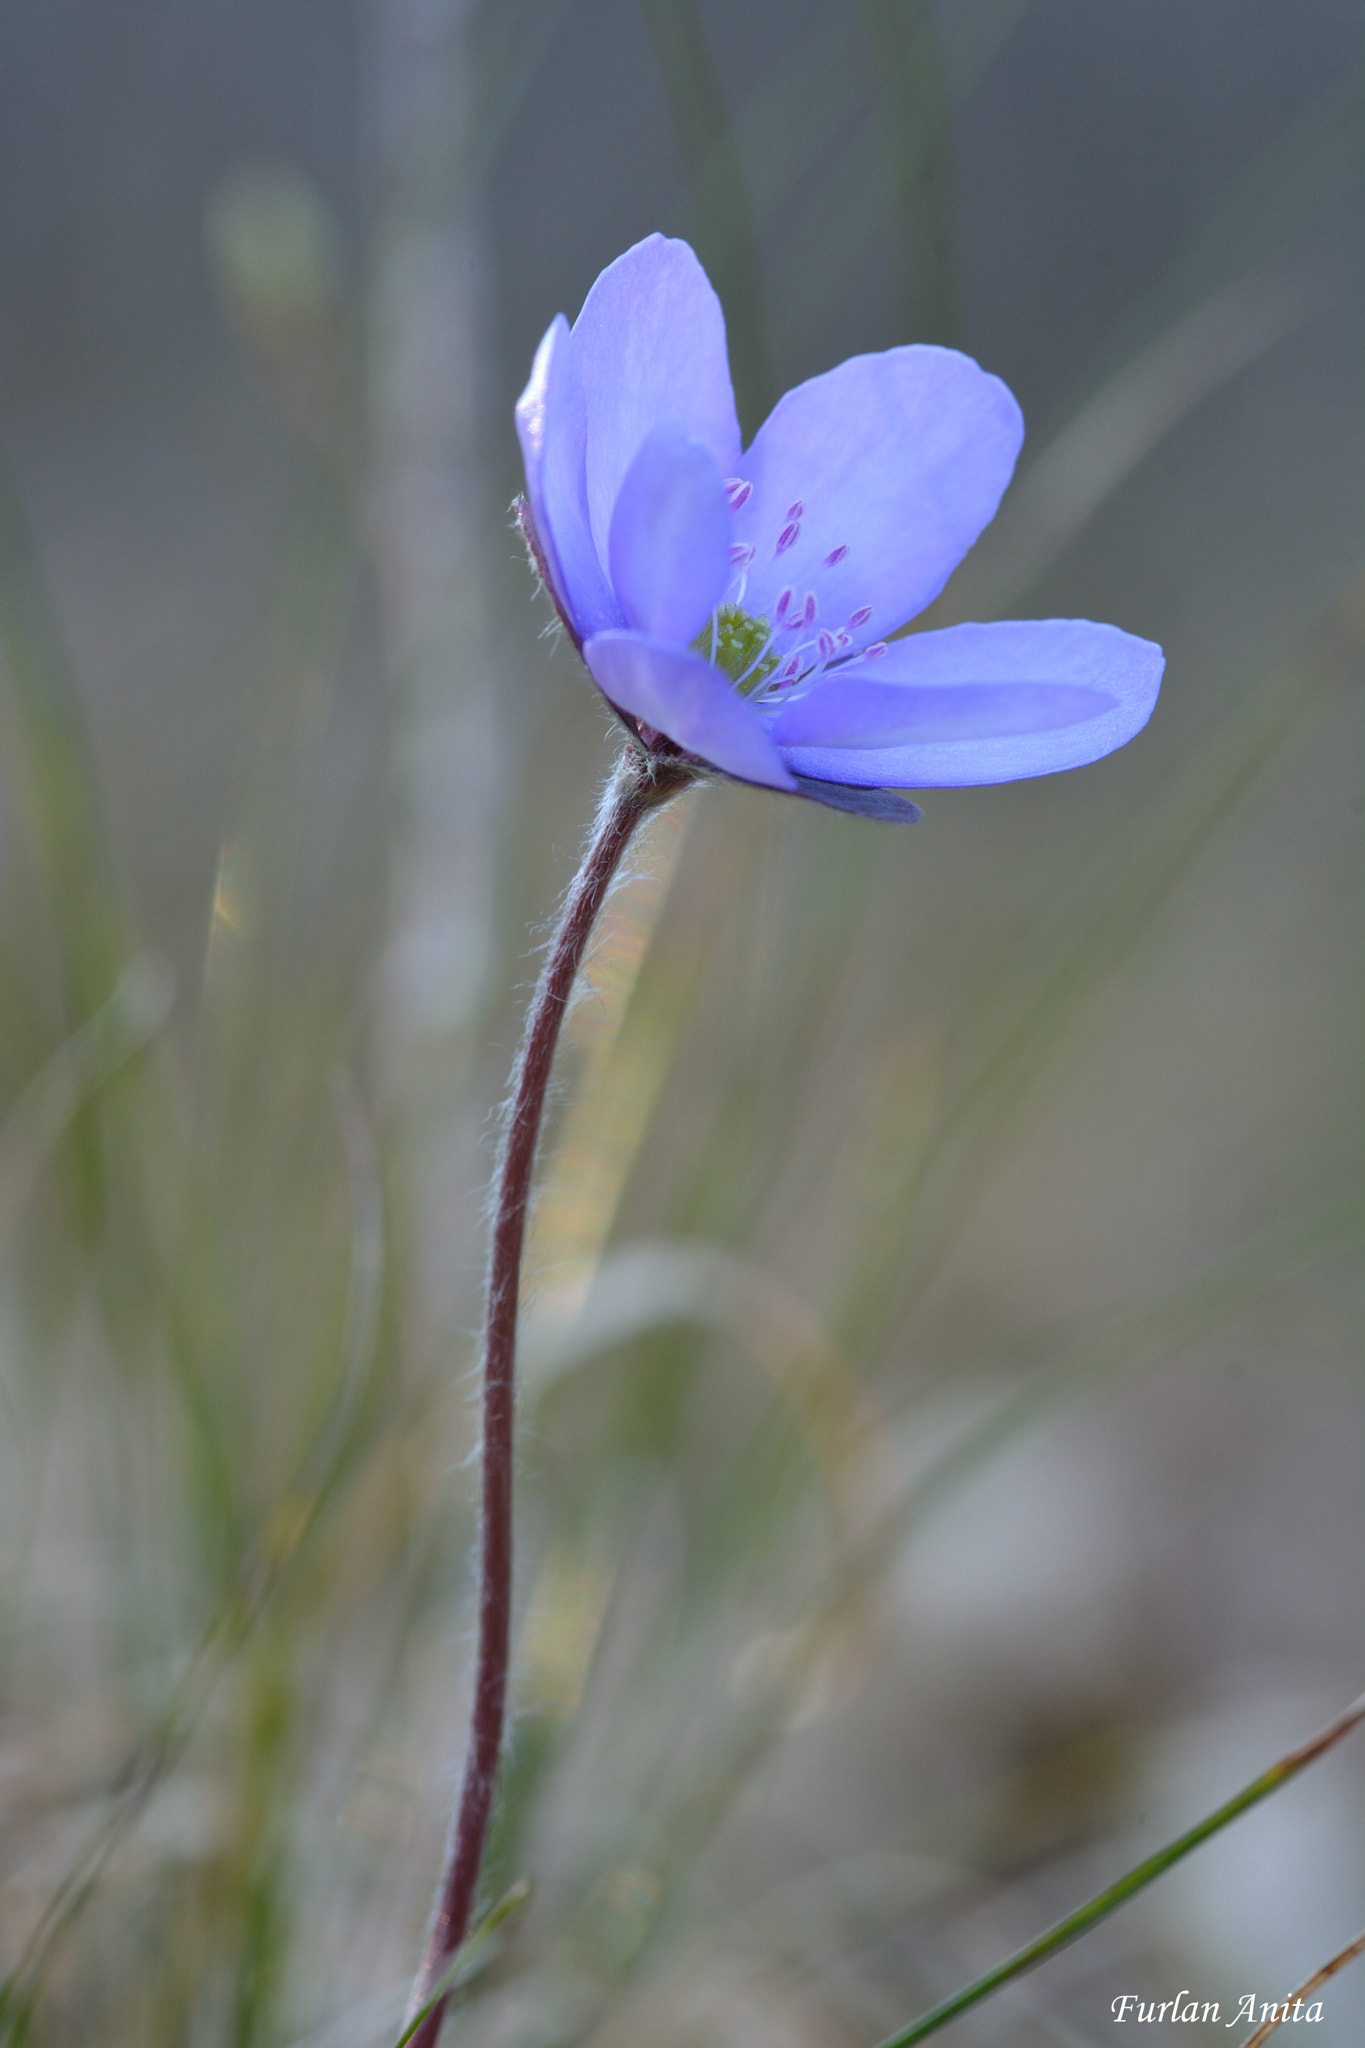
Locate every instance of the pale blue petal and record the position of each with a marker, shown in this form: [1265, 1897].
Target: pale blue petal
[887, 468]
[551, 425]
[863, 709]
[649, 345]
[670, 537]
[685, 697]
[1116, 678]
[530, 417]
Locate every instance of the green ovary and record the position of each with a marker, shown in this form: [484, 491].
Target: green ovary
[740, 640]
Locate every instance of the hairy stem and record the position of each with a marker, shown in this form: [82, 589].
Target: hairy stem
[638, 786]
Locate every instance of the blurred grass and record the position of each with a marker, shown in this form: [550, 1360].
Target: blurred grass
[904, 40]
[723, 232]
[241, 1230]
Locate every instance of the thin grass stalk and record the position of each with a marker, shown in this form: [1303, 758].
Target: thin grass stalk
[1128, 1886]
[1305, 1990]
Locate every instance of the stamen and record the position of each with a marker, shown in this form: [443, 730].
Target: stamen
[787, 537]
[808, 609]
[741, 556]
[737, 491]
[795, 511]
[790, 672]
[836, 555]
[860, 617]
[780, 608]
[875, 651]
[826, 643]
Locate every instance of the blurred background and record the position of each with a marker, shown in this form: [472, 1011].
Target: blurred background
[942, 1433]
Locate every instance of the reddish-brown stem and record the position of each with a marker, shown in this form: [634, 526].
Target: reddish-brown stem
[639, 785]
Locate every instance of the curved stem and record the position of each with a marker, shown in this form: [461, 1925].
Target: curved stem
[638, 786]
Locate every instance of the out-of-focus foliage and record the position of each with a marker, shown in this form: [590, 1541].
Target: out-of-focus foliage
[942, 1419]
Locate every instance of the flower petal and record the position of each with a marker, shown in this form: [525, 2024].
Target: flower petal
[887, 468]
[551, 425]
[685, 697]
[885, 804]
[670, 536]
[649, 345]
[863, 709]
[1080, 690]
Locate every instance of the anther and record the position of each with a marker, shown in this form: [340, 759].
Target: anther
[836, 555]
[875, 651]
[787, 537]
[741, 553]
[780, 608]
[826, 643]
[808, 609]
[859, 618]
[737, 491]
[795, 511]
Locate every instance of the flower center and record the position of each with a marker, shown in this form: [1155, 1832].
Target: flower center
[740, 645]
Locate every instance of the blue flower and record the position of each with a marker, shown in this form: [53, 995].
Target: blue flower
[737, 606]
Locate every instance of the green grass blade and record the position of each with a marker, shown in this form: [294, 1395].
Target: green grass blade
[473, 1954]
[690, 1817]
[1115, 1895]
[50, 770]
[266, 1559]
[74, 1074]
